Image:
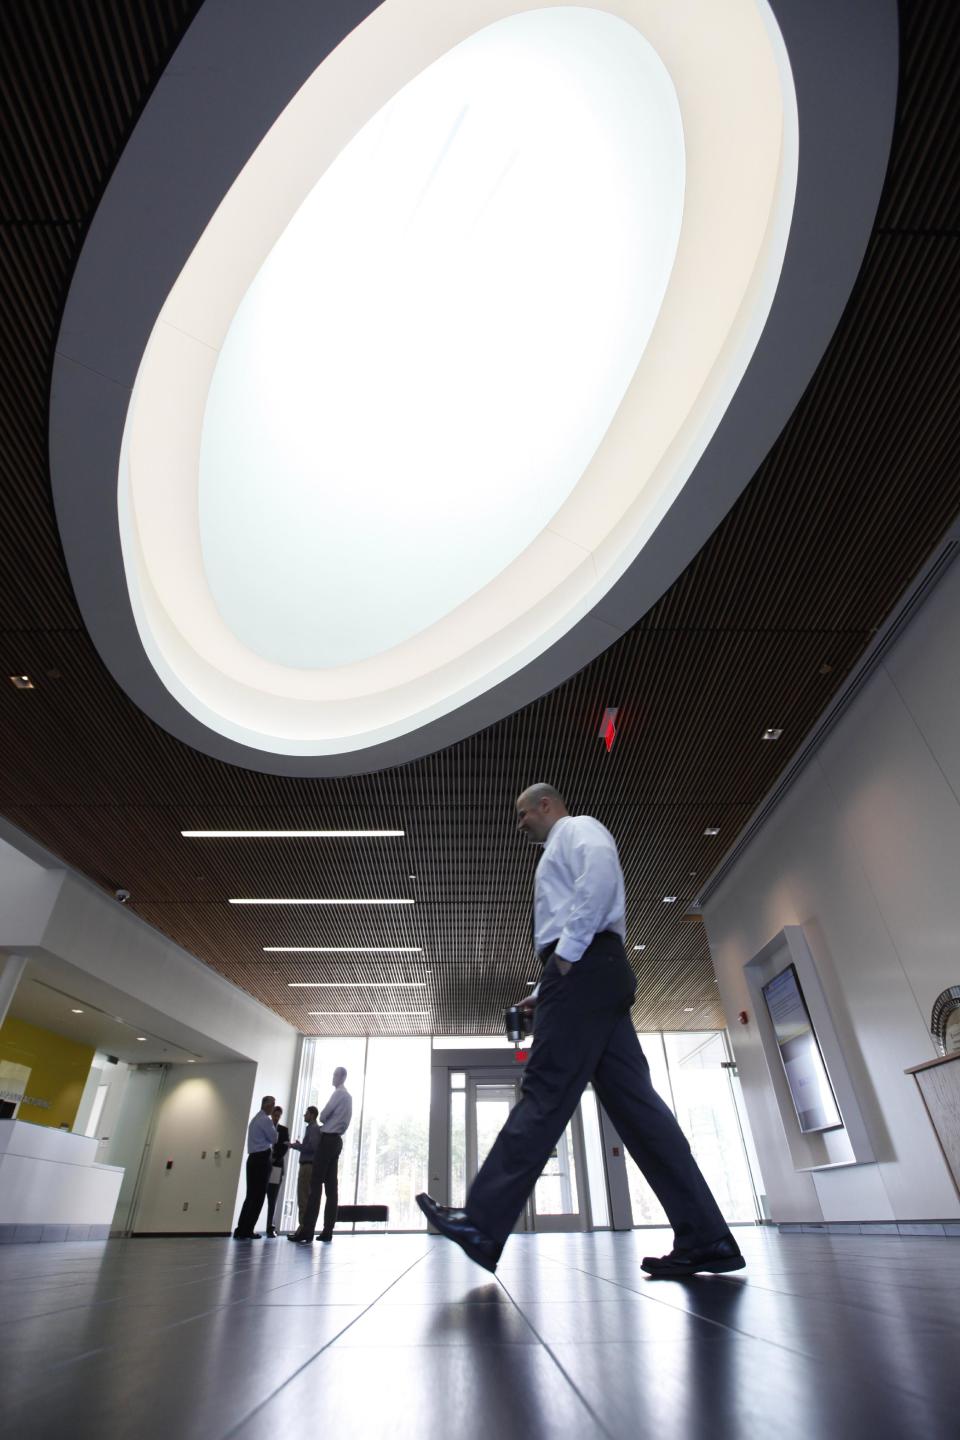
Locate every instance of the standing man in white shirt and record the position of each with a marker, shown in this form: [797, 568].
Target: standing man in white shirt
[334, 1119]
[584, 1033]
[261, 1138]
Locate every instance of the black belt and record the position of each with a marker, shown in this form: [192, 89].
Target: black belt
[544, 955]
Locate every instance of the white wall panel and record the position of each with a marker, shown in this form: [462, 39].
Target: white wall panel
[863, 852]
[203, 1108]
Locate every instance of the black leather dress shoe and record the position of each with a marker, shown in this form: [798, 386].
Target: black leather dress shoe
[715, 1259]
[325, 1238]
[271, 1233]
[457, 1226]
[297, 1239]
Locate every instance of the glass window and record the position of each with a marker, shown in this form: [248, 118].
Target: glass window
[458, 1080]
[647, 1209]
[707, 1114]
[472, 1042]
[395, 1129]
[593, 1147]
[458, 1147]
[328, 1054]
[555, 1192]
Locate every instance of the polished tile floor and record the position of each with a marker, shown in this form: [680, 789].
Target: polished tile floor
[400, 1336]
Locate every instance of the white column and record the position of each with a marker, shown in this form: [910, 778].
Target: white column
[10, 971]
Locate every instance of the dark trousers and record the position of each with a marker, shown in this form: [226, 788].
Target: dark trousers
[259, 1166]
[272, 1192]
[582, 1033]
[323, 1176]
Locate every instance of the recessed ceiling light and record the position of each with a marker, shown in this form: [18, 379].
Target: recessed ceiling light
[639, 947]
[141, 1037]
[356, 985]
[342, 950]
[771, 734]
[712, 830]
[688, 1009]
[366, 1014]
[22, 682]
[289, 834]
[191, 1062]
[284, 901]
[669, 899]
[76, 1011]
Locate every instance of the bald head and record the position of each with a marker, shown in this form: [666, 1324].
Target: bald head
[538, 810]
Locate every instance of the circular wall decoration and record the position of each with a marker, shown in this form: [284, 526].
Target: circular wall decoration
[945, 1020]
[401, 373]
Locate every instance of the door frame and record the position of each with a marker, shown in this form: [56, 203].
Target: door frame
[494, 1064]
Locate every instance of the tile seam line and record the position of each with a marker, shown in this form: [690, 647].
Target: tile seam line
[734, 1330]
[235, 1429]
[161, 1330]
[570, 1381]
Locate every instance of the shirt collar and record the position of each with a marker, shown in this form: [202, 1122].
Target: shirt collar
[554, 828]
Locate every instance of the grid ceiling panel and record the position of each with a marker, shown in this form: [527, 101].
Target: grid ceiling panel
[760, 630]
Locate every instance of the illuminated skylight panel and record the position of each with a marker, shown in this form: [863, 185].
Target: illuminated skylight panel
[356, 985]
[310, 900]
[428, 359]
[290, 834]
[343, 949]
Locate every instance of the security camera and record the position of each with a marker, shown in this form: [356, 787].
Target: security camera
[122, 895]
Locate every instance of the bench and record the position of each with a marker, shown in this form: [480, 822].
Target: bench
[367, 1213]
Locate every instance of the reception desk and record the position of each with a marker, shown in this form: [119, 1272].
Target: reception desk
[939, 1084]
[51, 1187]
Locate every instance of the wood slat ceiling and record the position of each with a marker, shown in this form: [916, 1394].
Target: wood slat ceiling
[760, 631]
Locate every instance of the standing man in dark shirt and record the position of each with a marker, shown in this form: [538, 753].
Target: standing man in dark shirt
[308, 1149]
[583, 1032]
[261, 1138]
[335, 1117]
[276, 1172]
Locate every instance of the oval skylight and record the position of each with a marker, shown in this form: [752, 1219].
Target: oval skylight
[430, 355]
[445, 344]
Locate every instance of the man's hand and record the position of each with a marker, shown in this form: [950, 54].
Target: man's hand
[527, 1005]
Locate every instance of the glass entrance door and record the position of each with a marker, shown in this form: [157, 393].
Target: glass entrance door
[558, 1201]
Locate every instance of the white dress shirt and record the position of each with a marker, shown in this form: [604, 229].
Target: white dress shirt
[578, 890]
[337, 1113]
[261, 1133]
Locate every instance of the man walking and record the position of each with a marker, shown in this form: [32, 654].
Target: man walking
[335, 1117]
[308, 1149]
[261, 1138]
[583, 1032]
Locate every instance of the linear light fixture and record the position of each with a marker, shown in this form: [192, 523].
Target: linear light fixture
[366, 1014]
[342, 950]
[669, 899]
[290, 834]
[639, 947]
[356, 985]
[313, 901]
[712, 830]
[75, 1011]
[771, 734]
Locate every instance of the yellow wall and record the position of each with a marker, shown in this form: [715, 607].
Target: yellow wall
[58, 1070]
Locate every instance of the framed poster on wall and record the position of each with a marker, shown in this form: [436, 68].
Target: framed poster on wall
[810, 1088]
